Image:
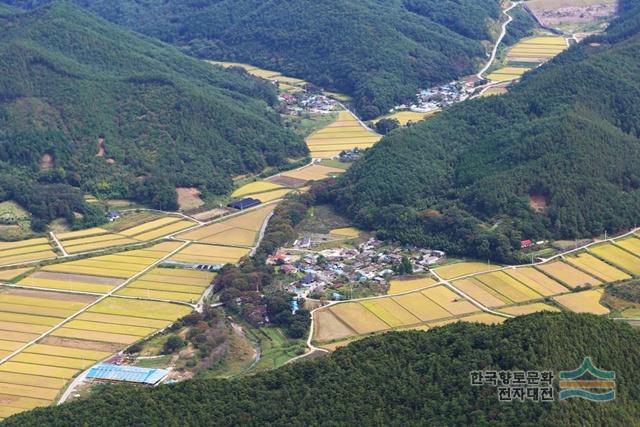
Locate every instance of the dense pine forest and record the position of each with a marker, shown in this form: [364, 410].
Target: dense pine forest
[378, 51]
[408, 378]
[86, 104]
[558, 156]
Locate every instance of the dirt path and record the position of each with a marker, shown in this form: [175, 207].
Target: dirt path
[503, 33]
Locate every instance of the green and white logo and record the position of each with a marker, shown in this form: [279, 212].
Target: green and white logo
[588, 382]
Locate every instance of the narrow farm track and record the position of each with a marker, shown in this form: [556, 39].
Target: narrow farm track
[58, 244]
[503, 33]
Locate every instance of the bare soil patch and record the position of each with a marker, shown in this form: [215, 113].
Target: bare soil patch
[50, 295]
[101, 150]
[189, 198]
[78, 278]
[559, 12]
[46, 162]
[212, 213]
[287, 181]
[538, 203]
[84, 344]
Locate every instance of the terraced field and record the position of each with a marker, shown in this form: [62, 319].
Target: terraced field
[25, 251]
[344, 134]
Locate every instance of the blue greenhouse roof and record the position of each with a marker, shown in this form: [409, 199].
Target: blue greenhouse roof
[130, 374]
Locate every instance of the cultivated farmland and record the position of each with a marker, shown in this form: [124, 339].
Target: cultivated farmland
[344, 134]
[25, 251]
[314, 172]
[399, 286]
[597, 268]
[583, 302]
[463, 268]
[618, 257]
[568, 275]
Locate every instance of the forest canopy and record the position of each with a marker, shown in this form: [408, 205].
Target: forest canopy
[378, 51]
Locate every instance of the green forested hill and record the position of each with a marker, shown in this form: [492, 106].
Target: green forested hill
[69, 79]
[379, 51]
[568, 136]
[410, 378]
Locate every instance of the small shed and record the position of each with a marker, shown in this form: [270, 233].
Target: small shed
[244, 203]
[127, 374]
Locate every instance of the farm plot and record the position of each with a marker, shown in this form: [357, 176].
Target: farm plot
[176, 288]
[449, 300]
[406, 117]
[345, 232]
[122, 265]
[507, 287]
[536, 280]
[25, 251]
[344, 134]
[452, 271]
[481, 292]
[141, 309]
[568, 275]
[484, 318]
[421, 306]
[70, 282]
[583, 302]
[89, 232]
[631, 244]
[521, 310]
[328, 327]
[507, 73]
[85, 244]
[270, 196]
[210, 254]
[13, 273]
[618, 257]
[314, 172]
[358, 318]
[254, 188]
[597, 268]
[392, 313]
[399, 286]
[537, 49]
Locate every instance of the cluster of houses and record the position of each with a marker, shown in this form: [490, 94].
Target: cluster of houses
[439, 97]
[297, 103]
[326, 272]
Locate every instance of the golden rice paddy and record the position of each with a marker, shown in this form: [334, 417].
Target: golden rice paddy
[507, 73]
[314, 172]
[255, 187]
[344, 134]
[481, 292]
[631, 244]
[568, 275]
[358, 318]
[463, 269]
[406, 117]
[13, 273]
[618, 257]
[521, 310]
[583, 302]
[508, 287]
[392, 313]
[597, 268]
[210, 254]
[345, 232]
[399, 286]
[421, 306]
[537, 49]
[536, 280]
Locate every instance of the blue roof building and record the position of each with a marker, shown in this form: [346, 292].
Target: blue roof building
[128, 374]
[244, 203]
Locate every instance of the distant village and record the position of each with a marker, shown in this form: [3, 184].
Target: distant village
[440, 97]
[327, 273]
[307, 102]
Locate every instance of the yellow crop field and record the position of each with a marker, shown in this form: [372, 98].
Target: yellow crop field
[358, 318]
[480, 292]
[91, 239]
[537, 48]
[422, 307]
[484, 318]
[31, 309]
[404, 117]
[163, 295]
[95, 336]
[399, 286]
[57, 361]
[583, 302]
[41, 302]
[392, 313]
[328, 327]
[27, 318]
[314, 172]
[75, 267]
[597, 268]
[632, 244]
[67, 285]
[233, 237]
[67, 352]
[255, 187]
[22, 402]
[23, 243]
[122, 320]
[450, 301]
[18, 336]
[9, 345]
[133, 231]
[181, 273]
[130, 258]
[81, 233]
[347, 133]
[521, 310]
[22, 327]
[210, 254]
[28, 391]
[44, 371]
[34, 256]
[99, 245]
[13, 273]
[568, 275]
[618, 257]
[134, 308]
[507, 73]
[270, 196]
[24, 250]
[170, 287]
[345, 232]
[252, 220]
[31, 380]
[140, 331]
[536, 280]
[165, 231]
[508, 286]
[463, 269]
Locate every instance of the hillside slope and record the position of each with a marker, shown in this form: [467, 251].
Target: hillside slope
[379, 51]
[410, 378]
[71, 83]
[566, 139]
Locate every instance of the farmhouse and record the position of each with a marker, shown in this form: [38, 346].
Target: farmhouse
[244, 203]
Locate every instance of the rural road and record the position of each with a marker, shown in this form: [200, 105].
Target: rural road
[503, 33]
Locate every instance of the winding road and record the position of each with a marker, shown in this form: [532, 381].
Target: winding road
[503, 33]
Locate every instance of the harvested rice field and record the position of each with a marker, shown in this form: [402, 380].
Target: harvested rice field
[481, 292]
[568, 275]
[421, 306]
[70, 282]
[583, 302]
[399, 286]
[618, 257]
[358, 318]
[597, 268]
[449, 300]
[506, 287]
[314, 172]
[344, 134]
[536, 280]
[463, 269]
[521, 310]
[391, 313]
[328, 327]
